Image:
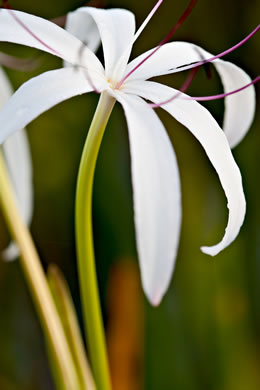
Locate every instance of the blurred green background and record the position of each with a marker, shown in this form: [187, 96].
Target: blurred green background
[206, 332]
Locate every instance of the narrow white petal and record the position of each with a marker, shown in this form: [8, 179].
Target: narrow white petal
[157, 195]
[50, 37]
[204, 127]
[239, 108]
[116, 28]
[19, 164]
[38, 95]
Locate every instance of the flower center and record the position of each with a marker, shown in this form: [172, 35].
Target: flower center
[113, 84]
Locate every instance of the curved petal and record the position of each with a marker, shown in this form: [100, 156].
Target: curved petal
[25, 29]
[168, 59]
[157, 195]
[38, 95]
[116, 28]
[18, 160]
[239, 108]
[204, 127]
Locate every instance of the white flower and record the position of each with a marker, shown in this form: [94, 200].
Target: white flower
[155, 177]
[18, 159]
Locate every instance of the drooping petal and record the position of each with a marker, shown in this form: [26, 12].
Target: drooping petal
[116, 28]
[239, 108]
[156, 193]
[204, 127]
[39, 94]
[18, 160]
[44, 35]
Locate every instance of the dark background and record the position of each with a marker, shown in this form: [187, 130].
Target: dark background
[205, 334]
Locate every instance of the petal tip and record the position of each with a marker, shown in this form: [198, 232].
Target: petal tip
[209, 250]
[10, 253]
[155, 298]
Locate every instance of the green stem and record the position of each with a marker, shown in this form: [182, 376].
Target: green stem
[37, 284]
[85, 250]
[65, 307]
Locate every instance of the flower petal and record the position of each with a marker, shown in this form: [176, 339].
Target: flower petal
[38, 95]
[116, 27]
[19, 164]
[204, 127]
[47, 37]
[157, 195]
[18, 160]
[239, 108]
[80, 24]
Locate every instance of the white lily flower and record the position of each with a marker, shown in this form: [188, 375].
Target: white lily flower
[18, 159]
[155, 177]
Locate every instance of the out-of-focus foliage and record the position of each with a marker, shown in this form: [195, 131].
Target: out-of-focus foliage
[206, 332]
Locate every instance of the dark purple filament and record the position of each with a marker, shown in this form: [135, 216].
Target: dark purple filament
[85, 70]
[22, 64]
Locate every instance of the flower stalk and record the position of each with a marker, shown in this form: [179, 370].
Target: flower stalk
[85, 249]
[65, 307]
[38, 286]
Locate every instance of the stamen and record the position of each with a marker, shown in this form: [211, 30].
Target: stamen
[222, 54]
[196, 65]
[201, 98]
[16, 18]
[147, 20]
[181, 20]
[223, 95]
[85, 70]
[135, 37]
[22, 64]
[183, 88]
[60, 21]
